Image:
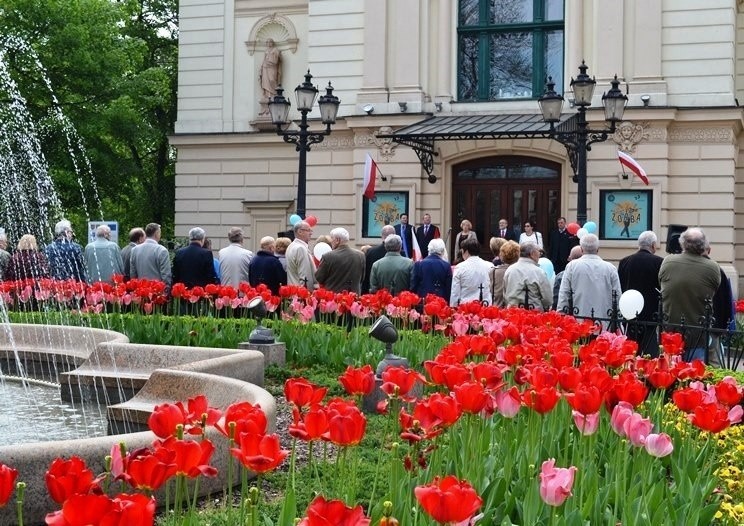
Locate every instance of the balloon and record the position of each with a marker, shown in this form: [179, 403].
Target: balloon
[581, 233]
[590, 227]
[631, 304]
[294, 219]
[547, 266]
[311, 220]
[572, 228]
[320, 249]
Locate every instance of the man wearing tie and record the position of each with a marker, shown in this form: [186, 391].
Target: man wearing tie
[425, 233]
[505, 232]
[405, 231]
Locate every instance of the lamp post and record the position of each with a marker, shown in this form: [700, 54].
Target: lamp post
[579, 139]
[303, 138]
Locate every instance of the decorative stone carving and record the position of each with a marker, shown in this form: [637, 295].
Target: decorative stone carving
[697, 135]
[386, 146]
[629, 134]
[277, 28]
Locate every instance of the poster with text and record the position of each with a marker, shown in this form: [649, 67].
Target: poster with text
[624, 214]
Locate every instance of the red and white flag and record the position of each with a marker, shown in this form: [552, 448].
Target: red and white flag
[370, 174]
[417, 255]
[633, 166]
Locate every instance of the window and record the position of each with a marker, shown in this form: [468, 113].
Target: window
[508, 48]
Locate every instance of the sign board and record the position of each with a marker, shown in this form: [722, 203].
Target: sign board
[113, 225]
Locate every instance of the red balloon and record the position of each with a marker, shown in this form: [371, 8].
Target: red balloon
[572, 228]
[311, 220]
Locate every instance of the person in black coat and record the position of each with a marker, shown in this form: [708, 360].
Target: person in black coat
[560, 242]
[425, 233]
[193, 265]
[640, 271]
[405, 231]
[266, 268]
[375, 253]
[505, 231]
[433, 274]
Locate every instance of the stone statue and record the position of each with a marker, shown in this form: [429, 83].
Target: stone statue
[270, 75]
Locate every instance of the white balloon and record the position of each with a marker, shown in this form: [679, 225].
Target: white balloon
[631, 304]
[547, 266]
[320, 249]
[582, 232]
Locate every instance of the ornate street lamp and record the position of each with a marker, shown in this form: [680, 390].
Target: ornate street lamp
[579, 139]
[305, 95]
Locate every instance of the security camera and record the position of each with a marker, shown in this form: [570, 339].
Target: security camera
[368, 109]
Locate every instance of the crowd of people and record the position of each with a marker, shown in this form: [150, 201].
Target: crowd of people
[584, 284]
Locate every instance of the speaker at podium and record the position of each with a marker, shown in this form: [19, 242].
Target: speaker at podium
[672, 240]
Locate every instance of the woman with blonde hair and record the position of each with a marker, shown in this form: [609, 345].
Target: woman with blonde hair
[508, 254]
[27, 262]
[466, 232]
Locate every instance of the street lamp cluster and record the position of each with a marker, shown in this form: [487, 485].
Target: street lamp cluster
[303, 138]
[579, 140]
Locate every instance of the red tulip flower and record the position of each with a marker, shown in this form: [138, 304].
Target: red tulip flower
[728, 392]
[311, 425]
[672, 343]
[165, 418]
[66, 478]
[398, 381]
[122, 510]
[8, 477]
[586, 399]
[259, 453]
[541, 401]
[448, 499]
[359, 381]
[303, 393]
[472, 397]
[555, 483]
[191, 457]
[711, 417]
[323, 512]
[346, 423]
[248, 418]
[198, 413]
[687, 399]
[149, 470]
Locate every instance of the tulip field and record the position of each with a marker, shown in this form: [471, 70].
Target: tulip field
[506, 416]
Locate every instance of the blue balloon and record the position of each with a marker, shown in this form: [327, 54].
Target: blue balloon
[547, 267]
[590, 226]
[294, 219]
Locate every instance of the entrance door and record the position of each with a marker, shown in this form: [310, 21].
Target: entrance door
[515, 188]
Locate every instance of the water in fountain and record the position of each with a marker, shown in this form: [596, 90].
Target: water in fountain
[32, 206]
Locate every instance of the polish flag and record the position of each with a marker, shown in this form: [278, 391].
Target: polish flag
[633, 166]
[417, 255]
[370, 174]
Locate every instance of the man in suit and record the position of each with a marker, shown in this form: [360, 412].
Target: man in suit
[505, 231]
[266, 268]
[560, 243]
[342, 268]
[375, 254]
[300, 264]
[136, 237]
[150, 260]
[393, 272]
[425, 233]
[405, 232]
[193, 265]
[103, 257]
[235, 260]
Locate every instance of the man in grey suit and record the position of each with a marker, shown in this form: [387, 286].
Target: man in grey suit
[136, 237]
[393, 272]
[102, 257]
[235, 260]
[342, 268]
[150, 260]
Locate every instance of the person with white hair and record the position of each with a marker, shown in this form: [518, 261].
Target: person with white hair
[103, 257]
[193, 265]
[265, 268]
[300, 265]
[64, 255]
[588, 283]
[640, 271]
[393, 272]
[525, 283]
[375, 254]
[433, 274]
[342, 268]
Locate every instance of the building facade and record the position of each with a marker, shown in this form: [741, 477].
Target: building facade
[394, 63]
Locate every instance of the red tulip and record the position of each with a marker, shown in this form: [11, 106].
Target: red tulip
[586, 399]
[248, 418]
[359, 381]
[165, 418]
[728, 392]
[711, 417]
[672, 343]
[448, 499]
[471, 396]
[555, 483]
[148, 470]
[309, 426]
[490, 374]
[687, 399]
[198, 413]
[659, 374]
[259, 453]
[346, 423]
[303, 393]
[398, 381]
[191, 457]
[66, 478]
[122, 510]
[542, 401]
[8, 477]
[629, 388]
[323, 512]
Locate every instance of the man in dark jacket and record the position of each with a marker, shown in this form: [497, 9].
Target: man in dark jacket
[65, 257]
[560, 242]
[266, 268]
[342, 268]
[425, 233]
[405, 231]
[375, 254]
[193, 265]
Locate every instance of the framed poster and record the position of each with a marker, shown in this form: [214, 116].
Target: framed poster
[624, 214]
[383, 209]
